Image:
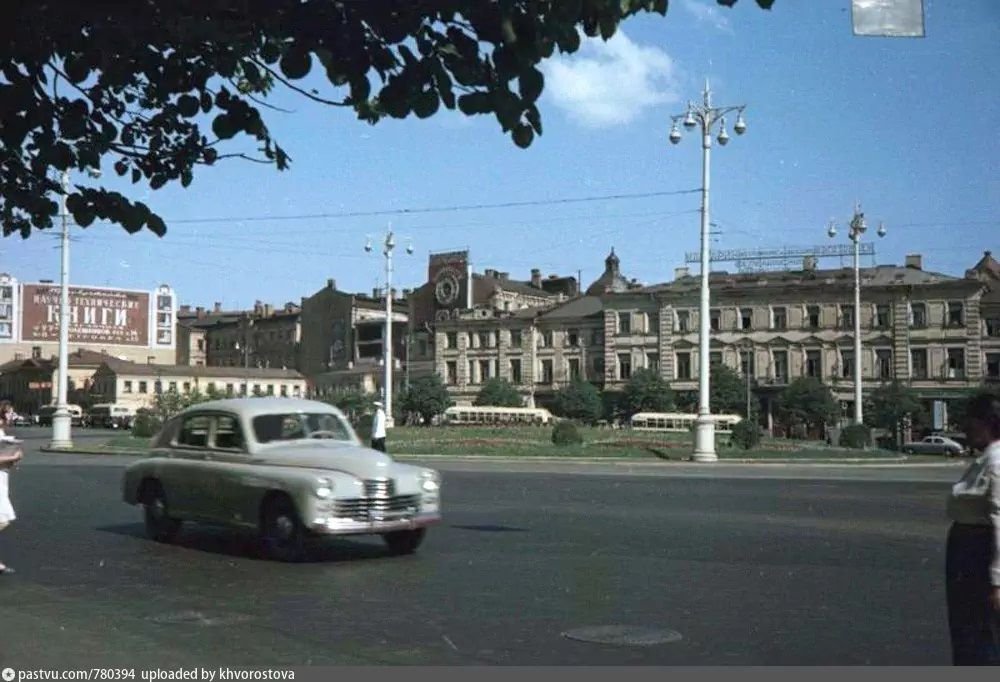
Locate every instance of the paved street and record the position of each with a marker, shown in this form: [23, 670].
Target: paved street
[770, 568]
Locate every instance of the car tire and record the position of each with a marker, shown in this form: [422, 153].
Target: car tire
[404, 541]
[281, 531]
[160, 526]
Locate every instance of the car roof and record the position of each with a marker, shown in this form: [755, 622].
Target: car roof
[254, 407]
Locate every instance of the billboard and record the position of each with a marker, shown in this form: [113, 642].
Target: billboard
[97, 316]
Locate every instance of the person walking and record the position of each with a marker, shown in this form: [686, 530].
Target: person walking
[10, 455]
[378, 427]
[973, 551]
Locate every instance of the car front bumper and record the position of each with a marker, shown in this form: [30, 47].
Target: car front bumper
[373, 525]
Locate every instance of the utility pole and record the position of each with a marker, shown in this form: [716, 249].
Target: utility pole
[705, 116]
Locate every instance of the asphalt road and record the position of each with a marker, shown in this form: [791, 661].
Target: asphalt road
[771, 568]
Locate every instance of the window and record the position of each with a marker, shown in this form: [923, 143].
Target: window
[847, 317]
[847, 364]
[714, 358]
[779, 318]
[624, 366]
[451, 370]
[142, 387]
[472, 372]
[127, 387]
[683, 321]
[715, 319]
[683, 365]
[243, 389]
[484, 370]
[485, 339]
[956, 363]
[993, 365]
[597, 337]
[749, 361]
[172, 387]
[256, 389]
[956, 317]
[547, 375]
[624, 323]
[599, 366]
[515, 338]
[573, 338]
[993, 326]
[653, 361]
[746, 319]
[228, 434]
[882, 316]
[883, 363]
[297, 391]
[201, 344]
[451, 340]
[814, 364]
[422, 348]
[194, 432]
[515, 370]
[229, 389]
[781, 366]
[187, 386]
[573, 369]
[812, 317]
[270, 389]
[284, 391]
[918, 315]
[36, 352]
[918, 363]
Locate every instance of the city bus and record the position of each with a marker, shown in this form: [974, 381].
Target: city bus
[495, 416]
[680, 422]
[46, 412]
[110, 416]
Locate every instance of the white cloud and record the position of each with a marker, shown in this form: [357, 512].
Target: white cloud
[610, 83]
[708, 14]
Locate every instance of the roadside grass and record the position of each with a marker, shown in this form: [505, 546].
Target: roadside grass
[536, 441]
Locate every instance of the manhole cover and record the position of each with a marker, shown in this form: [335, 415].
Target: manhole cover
[198, 618]
[623, 635]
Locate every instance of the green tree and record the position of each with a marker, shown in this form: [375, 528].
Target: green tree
[168, 403]
[579, 400]
[499, 392]
[646, 391]
[806, 401]
[353, 403]
[426, 396]
[891, 403]
[727, 392]
[159, 86]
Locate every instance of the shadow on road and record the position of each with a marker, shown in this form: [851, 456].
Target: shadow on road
[489, 528]
[244, 544]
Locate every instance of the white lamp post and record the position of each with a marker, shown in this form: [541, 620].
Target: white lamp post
[62, 437]
[857, 227]
[388, 245]
[705, 116]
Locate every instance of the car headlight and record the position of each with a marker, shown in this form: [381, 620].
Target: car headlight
[324, 489]
[430, 481]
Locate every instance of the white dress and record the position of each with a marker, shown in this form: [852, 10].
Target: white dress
[6, 508]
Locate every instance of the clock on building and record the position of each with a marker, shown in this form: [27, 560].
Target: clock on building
[446, 286]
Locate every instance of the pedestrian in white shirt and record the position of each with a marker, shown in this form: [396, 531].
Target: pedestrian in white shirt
[973, 558]
[10, 454]
[378, 427]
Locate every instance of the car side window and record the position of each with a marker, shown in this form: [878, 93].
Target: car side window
[228, 434]
[194, 432]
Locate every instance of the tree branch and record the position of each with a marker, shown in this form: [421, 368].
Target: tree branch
[260, 102]
[296, 88]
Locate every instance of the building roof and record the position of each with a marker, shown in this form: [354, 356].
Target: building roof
[611, 280]
[582, 306]
[493, 284]
[986, 268]
[142, 369]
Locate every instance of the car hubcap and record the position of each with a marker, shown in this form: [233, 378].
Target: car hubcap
[157, 509]
[283, 528]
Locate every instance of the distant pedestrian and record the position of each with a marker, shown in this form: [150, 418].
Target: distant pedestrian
[973, 558]
[10, 455]
[378, 427]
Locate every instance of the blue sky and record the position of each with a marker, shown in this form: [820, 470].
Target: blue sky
[908, 126]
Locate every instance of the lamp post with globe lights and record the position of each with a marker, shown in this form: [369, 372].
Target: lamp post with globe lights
[856, 228]
[388, 245]
[706, 117]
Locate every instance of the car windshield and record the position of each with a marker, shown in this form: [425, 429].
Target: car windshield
[269, 428]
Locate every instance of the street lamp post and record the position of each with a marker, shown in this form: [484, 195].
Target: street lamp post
[856, 229]
[388, 245]
[62, 437]
[705, 116]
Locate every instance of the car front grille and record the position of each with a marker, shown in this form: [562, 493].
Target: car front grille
[363, 508]
[380, 487]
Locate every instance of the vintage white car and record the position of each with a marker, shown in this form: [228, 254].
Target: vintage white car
[286, 467]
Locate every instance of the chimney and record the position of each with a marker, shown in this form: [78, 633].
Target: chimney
[809, 263]
[681, 273]
[915, 261]
[491, 273]
[536, 278]
[375, 292]
[503, 276]
[258, 308]
[331, 283]
[268, 310]
[185, 309]
[200, 312]
[217, 308]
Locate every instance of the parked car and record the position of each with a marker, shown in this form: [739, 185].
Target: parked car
[935, 445]
[286, 467]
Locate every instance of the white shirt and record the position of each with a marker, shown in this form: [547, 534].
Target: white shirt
[378, 424]
[975, 500]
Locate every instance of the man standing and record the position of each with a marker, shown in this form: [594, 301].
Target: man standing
[378, 427]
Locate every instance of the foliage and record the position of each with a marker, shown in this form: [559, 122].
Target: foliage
[727, 392]
[647, 391]
[353, 403]
[579, 400]
[855, 436]
[426, 396]
[168, 403]
[806, 401]
[746, 434]
[499, 392]
[566, 433]
[889, 404]
[158, 86]
[146, 425]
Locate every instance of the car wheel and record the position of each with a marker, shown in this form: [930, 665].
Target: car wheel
[281, 531]
[159, 524]
[404, 541]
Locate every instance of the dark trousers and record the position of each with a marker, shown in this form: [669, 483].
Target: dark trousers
[378, 444]
[974, 626]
